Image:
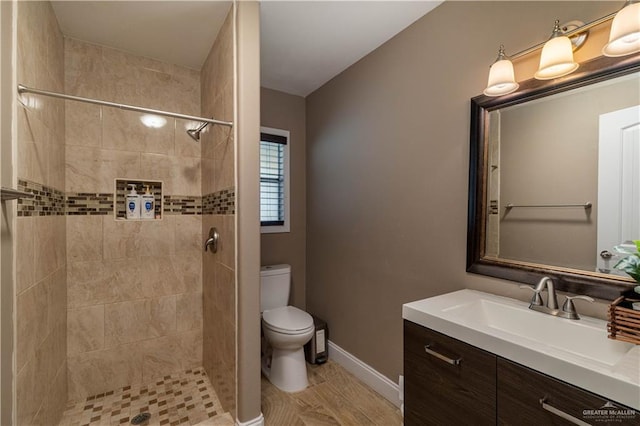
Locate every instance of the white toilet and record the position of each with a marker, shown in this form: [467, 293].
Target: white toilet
[286, 329]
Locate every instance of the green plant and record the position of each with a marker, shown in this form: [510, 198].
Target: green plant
[631, 263]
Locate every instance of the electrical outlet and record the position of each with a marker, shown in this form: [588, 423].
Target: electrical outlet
[401, 387]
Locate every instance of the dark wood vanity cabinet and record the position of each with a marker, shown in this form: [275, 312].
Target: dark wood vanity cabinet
[440, 392]
[522, 393]
[484, 389]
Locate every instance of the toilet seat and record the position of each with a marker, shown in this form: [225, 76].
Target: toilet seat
[287, 320]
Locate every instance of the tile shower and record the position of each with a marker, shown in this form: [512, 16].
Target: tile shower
[103, 304]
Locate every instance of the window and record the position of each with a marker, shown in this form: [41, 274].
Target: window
[274, 180]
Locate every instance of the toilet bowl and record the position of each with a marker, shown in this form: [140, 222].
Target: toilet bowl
[286, 329]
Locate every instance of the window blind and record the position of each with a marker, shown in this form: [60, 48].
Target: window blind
[272, 179]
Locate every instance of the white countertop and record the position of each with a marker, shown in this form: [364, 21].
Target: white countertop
[574, 351]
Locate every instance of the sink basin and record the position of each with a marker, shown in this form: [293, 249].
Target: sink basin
[577, 337]
[575, 351]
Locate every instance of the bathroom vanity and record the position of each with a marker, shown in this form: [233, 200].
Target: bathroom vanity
[476, 358]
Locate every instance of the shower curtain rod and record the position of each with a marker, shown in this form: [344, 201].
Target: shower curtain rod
[24, 89]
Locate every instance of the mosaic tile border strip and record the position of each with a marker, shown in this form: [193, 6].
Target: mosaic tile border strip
[179, 398]
[83, 204]
[182, 205]
[51, 202]
[47, 201]
[220, 202]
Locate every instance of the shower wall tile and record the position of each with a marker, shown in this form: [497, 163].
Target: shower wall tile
[50, 250]
[57, 174]
[25, 253]
[190, 272]
[181, 175]
[83, 124]
[33, 146]
[228, 256]
[85, 329]
[207, 165]
[131, 239]
[224, 170]
[123, 130]
[56, 398]
[218, 174]
[31, 44]
[185, 146]
[32, 313]
[99, 282]
[134, 363]
[189, 311]
[171, 353]
[40, 317]
[127, 280]
[188, 236]
[30, 391]
[94, 170]
[139, 320]
[52, 353]
[91, 373]
[84, 238]
[225, 295]
[83, 69]
[57, 298]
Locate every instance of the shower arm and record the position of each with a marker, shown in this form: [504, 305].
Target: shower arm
[205, 121]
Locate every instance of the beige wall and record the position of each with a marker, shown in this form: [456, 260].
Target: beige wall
[247, 127]
[287, 112]
[387, 169]
[551, 157]
[218, 174]
[41, 289]
[134, 287]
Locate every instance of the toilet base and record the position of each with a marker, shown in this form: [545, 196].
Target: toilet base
[288, 369]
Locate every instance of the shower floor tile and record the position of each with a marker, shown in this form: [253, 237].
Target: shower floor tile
[179, 399]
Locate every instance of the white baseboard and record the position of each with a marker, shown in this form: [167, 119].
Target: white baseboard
[258, 421]
[374, 379]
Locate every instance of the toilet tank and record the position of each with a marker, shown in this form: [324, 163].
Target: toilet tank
[275, 283]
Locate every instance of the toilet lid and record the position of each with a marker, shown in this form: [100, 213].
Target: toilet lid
[288, 318]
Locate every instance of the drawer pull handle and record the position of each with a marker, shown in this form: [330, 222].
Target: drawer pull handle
[427, 349]
[560, 413]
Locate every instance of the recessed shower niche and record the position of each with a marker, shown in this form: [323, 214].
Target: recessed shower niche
[143, 190]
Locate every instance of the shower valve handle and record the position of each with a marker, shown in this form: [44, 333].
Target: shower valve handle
[212, 241]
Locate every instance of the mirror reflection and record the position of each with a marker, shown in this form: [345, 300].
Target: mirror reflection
[564, 177]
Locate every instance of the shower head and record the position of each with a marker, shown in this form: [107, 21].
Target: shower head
[195, 133]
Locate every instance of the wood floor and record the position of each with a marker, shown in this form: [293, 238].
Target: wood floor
[334, 397]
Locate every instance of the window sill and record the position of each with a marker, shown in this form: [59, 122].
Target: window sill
[274, 229]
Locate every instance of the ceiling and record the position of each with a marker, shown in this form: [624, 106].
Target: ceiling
[179, 32]
[304, 44]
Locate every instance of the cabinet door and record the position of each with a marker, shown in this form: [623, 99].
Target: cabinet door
[526, 397]
[446, 382]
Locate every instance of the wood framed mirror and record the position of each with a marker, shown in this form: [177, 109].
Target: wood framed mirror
[548, 193]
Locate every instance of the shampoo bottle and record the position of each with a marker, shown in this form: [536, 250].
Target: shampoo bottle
[133, 203]
[147, 207]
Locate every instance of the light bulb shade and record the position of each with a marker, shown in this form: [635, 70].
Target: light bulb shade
[624, 38]
[501, 79]
[556, 59]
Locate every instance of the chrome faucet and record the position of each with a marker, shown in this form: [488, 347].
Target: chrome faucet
[552, 298]
[568, 309]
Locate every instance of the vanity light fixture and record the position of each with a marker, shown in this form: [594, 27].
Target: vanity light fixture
[624, 38]
[556, 59]
[501, 77]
